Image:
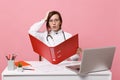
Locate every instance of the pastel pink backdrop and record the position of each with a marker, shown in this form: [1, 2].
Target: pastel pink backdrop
[96, 21]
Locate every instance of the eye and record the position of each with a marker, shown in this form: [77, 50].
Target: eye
[50, 20]
[55, 20]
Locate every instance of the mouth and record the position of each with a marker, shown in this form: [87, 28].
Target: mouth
[54, 26]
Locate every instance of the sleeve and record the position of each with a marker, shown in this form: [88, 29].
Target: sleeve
[74, 57]
[35, 28]
[67, 35]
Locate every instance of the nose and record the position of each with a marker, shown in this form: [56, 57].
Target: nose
[53, 22]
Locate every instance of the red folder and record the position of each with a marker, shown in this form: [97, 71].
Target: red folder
[58, 53]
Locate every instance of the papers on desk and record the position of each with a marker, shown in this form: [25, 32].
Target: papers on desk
[48, 67]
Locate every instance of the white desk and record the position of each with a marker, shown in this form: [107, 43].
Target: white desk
[46, 71]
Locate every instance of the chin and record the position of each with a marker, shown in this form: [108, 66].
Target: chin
[55, 30]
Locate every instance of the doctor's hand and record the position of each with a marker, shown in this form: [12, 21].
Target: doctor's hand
[77, 56]
[79, 50]
[46, 16]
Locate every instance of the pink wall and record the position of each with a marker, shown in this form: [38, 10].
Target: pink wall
[96, 21]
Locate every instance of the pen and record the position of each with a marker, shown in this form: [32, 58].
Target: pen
[10, 57]
[13, 56]
[27, 69]
[7, 58]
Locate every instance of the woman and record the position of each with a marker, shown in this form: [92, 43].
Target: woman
[54, 34]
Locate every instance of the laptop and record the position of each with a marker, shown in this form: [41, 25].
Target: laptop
[58, 53]
[94, 60]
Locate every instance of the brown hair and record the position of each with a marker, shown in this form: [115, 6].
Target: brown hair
[49, 16]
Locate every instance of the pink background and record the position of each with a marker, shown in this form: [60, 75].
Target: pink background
[96, 21]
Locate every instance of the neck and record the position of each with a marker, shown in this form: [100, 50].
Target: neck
[56, 30]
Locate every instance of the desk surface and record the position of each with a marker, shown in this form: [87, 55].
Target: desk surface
[46, 68]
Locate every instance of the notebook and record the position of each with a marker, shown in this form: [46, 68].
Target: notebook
[58, 53]
[23, 63]
[94, 60]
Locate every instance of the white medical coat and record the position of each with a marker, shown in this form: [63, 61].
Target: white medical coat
[58, 37]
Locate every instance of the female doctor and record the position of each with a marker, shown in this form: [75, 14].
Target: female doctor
[54, 34]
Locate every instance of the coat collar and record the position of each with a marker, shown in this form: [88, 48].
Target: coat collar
[58, 32]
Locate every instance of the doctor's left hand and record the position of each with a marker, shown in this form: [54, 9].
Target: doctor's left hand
[79, 50]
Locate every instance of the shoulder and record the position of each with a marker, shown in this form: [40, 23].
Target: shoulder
[67, 35]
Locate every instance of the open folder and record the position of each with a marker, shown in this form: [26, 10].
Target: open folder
[58, 53]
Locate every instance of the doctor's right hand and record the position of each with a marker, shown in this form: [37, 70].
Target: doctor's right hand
[46, 16]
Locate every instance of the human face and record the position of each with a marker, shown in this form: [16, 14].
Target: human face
[54, 22]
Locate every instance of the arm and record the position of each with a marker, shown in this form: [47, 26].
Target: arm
[35, 27]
